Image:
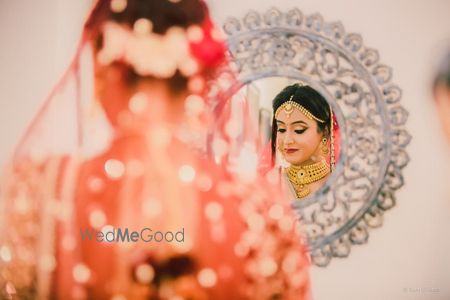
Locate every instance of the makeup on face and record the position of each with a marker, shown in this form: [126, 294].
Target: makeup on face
[298, 127]
[297, 137]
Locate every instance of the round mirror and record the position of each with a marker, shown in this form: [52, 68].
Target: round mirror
[302, 145]
[272, 50]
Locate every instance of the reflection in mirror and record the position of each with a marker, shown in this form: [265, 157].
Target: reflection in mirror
[303, 134]
[259, 95]
[302, 141]
[371, 132]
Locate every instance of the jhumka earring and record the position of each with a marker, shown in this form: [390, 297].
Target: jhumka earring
[324, 147]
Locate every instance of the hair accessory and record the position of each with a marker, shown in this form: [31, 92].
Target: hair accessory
[289, 106]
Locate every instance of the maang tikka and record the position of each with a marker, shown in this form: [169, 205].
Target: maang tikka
[289, 106]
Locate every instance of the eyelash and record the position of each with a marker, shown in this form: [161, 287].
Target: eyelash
[298, 131]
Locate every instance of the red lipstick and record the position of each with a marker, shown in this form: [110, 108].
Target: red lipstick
[290, 150]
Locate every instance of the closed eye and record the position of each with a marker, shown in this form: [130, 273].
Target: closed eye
[300, 131]
[281, 130]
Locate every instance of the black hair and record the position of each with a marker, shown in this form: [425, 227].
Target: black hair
[162, 13]
[443, 73]
[307, 97]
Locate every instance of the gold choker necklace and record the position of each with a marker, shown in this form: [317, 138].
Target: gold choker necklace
[301, 176]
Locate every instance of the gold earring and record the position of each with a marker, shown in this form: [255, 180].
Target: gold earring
[324, 147]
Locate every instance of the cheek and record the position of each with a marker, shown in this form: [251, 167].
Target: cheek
[279, 141]
[308, 141]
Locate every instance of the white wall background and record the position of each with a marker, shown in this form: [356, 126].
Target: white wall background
[37, 41]
[412, 249]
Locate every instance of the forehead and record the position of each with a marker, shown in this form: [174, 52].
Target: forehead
[295, 116]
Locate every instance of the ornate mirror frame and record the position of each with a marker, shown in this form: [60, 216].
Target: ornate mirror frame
[368, 110]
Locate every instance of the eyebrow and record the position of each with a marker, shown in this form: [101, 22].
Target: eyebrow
[293, 123]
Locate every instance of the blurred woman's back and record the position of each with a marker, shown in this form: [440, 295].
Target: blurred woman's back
[115, 151]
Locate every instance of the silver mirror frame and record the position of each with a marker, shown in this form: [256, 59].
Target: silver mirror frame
[366, 104]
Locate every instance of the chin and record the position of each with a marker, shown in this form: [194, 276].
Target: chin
[294, 161]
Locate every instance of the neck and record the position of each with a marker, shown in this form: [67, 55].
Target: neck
[163, 106]
[135, 107]
[308, 162]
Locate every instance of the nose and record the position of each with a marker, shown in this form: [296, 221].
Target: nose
[288, 138]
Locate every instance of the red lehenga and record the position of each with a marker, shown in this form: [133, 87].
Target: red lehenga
[87, 164]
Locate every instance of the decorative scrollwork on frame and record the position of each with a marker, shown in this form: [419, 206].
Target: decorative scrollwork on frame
[367, 106]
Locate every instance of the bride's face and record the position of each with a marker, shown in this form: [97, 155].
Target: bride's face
[298, 138]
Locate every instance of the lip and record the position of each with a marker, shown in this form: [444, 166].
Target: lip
[290, 150]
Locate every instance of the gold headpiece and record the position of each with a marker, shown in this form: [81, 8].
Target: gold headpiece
[289, 106]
